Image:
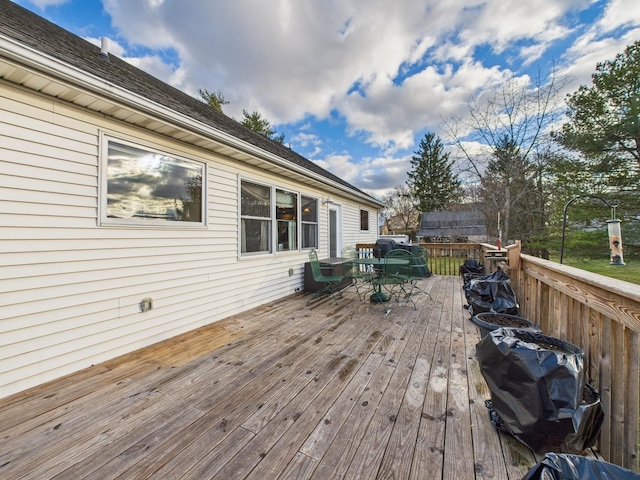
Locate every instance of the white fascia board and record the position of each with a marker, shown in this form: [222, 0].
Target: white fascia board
[57, 69]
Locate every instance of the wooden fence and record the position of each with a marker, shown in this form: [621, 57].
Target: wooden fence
[599, 314]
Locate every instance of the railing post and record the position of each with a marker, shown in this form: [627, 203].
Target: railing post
[514, 254]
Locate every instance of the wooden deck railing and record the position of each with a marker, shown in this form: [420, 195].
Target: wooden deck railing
[599, 314]
[446, 258]
[602, 316]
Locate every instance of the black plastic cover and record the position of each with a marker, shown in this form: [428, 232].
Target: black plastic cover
[562, 466]
[471, 265]
[491, 293]
[537, 390]
[471, 269]
[383, 246]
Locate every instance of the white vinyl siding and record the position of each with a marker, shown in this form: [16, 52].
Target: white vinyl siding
[70, 289]
[351, 226]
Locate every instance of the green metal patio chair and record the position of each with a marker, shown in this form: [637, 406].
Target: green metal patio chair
[419, 268]
[330, 283]
[352, 270]
[394, 276]
[398, 276]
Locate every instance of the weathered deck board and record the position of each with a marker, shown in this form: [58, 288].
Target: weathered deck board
[488, 457]
[458, 423]
[286, 391]
[429, 452]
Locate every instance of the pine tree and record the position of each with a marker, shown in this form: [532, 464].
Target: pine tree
[431, 179]
[214, 99]
[604, 121]
[257, 123]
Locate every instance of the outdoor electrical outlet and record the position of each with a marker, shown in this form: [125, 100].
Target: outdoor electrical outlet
[146, 304]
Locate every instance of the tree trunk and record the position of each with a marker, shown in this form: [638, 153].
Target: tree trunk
[507, 216]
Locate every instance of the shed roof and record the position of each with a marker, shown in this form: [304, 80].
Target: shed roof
[42, 36]
[463, 223]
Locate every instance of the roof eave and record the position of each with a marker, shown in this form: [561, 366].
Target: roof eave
[57, 69]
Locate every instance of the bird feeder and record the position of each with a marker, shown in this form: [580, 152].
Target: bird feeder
[615, 242]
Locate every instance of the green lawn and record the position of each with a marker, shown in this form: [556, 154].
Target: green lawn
[629, 272]
[445, 265]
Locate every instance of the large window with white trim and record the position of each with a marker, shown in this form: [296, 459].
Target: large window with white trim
[255, 218]
[143, 186]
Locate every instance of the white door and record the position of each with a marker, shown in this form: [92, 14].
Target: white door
[335, 231]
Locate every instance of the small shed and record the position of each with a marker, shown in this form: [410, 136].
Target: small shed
[456, 226]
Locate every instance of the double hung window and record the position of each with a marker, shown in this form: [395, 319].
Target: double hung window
[364, 220]
[275, 219]
[255, 228]
[287, 220]
[309, 224]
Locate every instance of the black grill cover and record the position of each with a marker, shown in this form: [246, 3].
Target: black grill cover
[383, 246]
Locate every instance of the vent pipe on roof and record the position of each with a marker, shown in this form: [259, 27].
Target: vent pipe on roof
[104, 49]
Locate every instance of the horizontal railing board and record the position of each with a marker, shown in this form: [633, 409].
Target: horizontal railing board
[614, 298]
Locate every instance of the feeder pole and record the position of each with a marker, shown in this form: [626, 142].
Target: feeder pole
[615, 236]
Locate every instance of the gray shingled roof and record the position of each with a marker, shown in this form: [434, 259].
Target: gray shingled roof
[452, 224]
[44, 36]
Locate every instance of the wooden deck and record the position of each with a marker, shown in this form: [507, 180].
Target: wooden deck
[283, 391]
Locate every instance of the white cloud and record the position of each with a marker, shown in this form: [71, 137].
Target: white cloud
[393, 115]
[341, 165]
[619, 13]
[500, 23]
[292, 59]
[390, 70]
[307, 139]
[375, 176]
[532, 53]
[597, 44]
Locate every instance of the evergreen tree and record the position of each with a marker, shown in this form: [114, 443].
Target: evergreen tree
[215, 100]
[431, 179]
[255, 122]
[511, 123]
[604, 121]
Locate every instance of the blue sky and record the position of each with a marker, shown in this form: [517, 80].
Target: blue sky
[353, 84]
